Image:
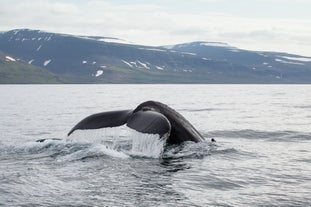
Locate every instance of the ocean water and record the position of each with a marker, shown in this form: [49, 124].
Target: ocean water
[261, 157]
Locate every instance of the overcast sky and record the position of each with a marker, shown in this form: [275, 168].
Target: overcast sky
[272, 25]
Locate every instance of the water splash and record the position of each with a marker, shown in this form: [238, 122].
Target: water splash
[122, 140]
[147, 145]
[91, 151]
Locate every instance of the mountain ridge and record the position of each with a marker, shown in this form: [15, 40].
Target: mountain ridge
[96, 59]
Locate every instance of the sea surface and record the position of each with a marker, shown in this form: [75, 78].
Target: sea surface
[261, 157]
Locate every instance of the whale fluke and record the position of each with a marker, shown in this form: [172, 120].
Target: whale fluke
[103, 120]
[150, 117]
[149, 122]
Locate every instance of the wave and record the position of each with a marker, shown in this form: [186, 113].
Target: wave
[204, 109]
[123, 143]
[187, 150]
[65, 150]
[61, 150]
[289, 136]
[89, 144]
[303, 106]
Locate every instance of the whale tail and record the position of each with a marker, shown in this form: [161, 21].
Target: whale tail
[149, 122]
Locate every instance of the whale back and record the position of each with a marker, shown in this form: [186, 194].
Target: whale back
[181, 129]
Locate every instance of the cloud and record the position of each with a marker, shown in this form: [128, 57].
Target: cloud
[157, 23]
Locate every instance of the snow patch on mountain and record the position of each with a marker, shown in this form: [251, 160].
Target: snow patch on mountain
[134, 64]
[8, 58]
[127, 63]
[105, 39]
[302, 59]
[39, 48]
[215, 44]
[234, 50]
[288, 62]
[46, 62]
[206, 59]
[159, 68]
[139, 64]
[48, 38]
[187, 71]
[30, 61]
[99, 73]
[143, 64]
[114, 40]
[152, 49]
[189, 53]
[168, 46]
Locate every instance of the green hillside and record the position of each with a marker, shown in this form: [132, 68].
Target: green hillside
[13, 72]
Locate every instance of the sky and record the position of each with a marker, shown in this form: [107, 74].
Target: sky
[265, 25]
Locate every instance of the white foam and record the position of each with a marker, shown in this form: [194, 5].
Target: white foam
[104, 141]
[93, 150]
[110, 152]
[30, 61]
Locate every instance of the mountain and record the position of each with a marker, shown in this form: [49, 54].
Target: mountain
[288, 67]
[94, 59]
[13, 70]
[84, 59]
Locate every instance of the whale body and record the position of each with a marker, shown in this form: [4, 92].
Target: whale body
[149, 117]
